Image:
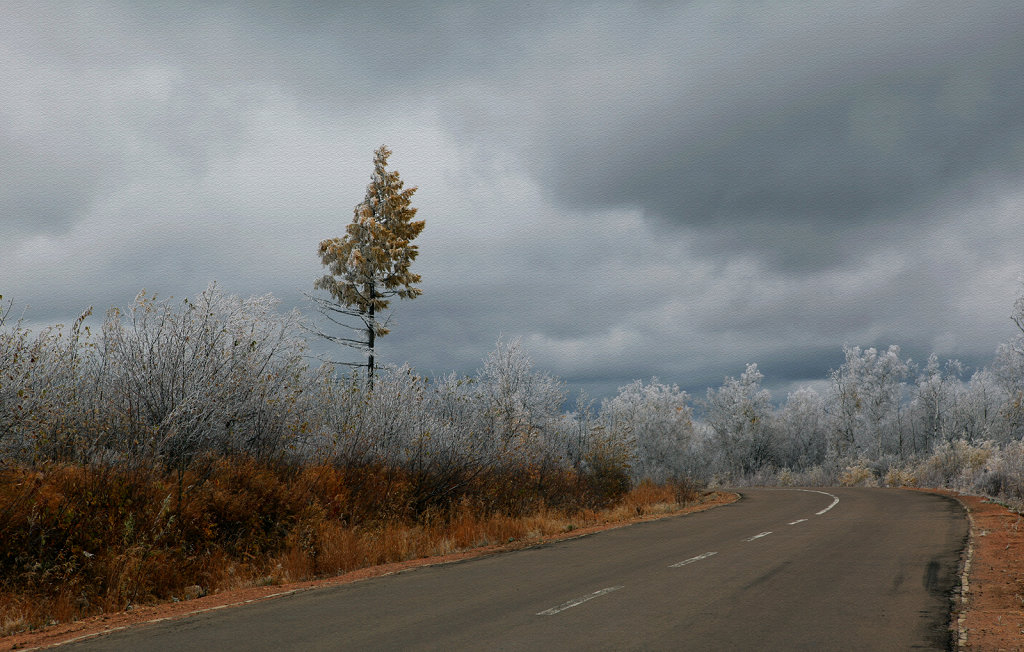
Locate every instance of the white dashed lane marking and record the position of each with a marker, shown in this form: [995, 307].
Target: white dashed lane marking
[799, 520]
[758, 536]
[693, 559]
[577, 602]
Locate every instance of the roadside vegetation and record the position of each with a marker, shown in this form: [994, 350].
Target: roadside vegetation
[187, 446]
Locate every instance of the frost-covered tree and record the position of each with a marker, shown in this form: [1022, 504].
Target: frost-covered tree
[520, 405]
[866, 403]
[979, 412]
[801, 429]
[1008, 369]
[660, 420]
[370, 263]
[739, 413]
[933, 410]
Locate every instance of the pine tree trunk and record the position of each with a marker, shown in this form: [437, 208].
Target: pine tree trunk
[371, 335]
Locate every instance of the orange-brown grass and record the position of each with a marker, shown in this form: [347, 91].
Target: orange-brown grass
[79, 541]
[330, 548]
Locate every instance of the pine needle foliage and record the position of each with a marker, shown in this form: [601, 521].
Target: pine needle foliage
[369, 265]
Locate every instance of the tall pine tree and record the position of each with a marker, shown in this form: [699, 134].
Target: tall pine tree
[370, 263]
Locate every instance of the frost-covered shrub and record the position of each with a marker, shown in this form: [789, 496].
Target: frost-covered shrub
[881, 465]
[211, 374]
[817, 476]
[897, 477]
[42, 399]
[451, 433]
[763, 477]
[1006, 474]
[519, 406]
[858, 474]
[957, 464]
[785, 478]
[164, 382]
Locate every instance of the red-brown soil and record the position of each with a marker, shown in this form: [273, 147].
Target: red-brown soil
[97, 625]
[990, 611]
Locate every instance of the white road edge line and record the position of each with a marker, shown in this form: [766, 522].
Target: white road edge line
[835, 499]
[577, 602]
[799, 520]
[692, 559]
[758, 536]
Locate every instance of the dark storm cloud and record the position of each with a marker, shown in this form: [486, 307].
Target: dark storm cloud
[804, 126]
[346, 54]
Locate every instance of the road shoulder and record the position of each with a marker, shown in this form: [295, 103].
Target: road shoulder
[989, 611]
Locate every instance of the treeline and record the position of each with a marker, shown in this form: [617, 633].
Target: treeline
[881, 421]
[166, 383]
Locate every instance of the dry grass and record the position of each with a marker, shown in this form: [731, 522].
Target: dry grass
[332, 548]
[80, 541]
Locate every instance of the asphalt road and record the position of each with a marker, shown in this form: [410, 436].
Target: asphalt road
[774, 571]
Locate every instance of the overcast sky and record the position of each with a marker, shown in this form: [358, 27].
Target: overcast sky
[634, 189]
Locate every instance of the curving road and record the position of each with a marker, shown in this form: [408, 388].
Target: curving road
[782, 569]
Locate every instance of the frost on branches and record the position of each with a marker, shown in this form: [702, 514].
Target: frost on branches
[660, 421]
[740, 413]
[370, 263]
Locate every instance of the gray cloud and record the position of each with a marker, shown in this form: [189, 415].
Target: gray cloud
[635, 190]
[776, 129]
